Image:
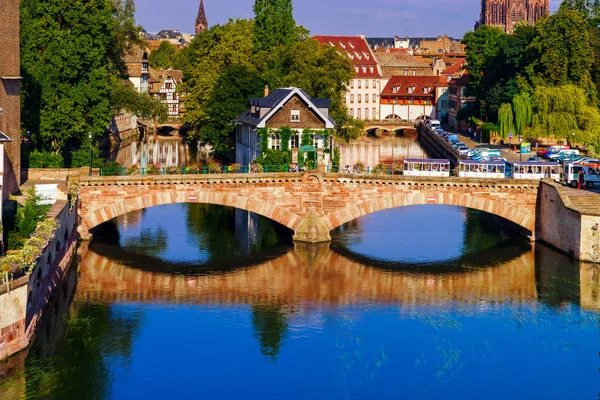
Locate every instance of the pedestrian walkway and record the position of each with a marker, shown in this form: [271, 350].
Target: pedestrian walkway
[587, 201]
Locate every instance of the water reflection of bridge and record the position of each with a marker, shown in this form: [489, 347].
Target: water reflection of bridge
[307, 276]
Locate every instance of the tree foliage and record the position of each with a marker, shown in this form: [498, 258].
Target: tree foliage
[274, 25]
[223, 69]
[70, 51]
[125, 97]
[163, 57]
[505, 119]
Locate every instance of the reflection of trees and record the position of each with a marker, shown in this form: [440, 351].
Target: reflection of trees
[151, 242]
[270, 328]
[557, 277]
[215, 228]
[95, 332]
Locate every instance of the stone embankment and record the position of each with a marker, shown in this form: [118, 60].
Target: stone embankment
[23, 303]
[436, 146]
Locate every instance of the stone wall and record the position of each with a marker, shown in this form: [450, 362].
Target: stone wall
[289, 198]
[52, 174]
[564, 227]
[22, 307]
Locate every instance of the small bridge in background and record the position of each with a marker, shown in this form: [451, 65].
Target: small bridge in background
[310, 204]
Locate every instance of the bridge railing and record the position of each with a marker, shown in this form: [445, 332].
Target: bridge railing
[207, 169]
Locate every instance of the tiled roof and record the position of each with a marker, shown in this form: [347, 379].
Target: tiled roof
[453, 69]
[358, 51]
[399, 60]
[159, 76]
[462, 81]
[135, 55]
[403, 83]
[134, 70]
[277, 98]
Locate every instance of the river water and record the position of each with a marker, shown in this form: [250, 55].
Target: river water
[196, 301]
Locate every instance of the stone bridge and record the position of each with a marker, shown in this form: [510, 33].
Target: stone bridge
[310, 204]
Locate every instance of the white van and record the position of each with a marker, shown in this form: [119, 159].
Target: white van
[590, 174]
[434, 123]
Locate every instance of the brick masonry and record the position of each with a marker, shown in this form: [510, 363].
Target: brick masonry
[10, 92]
[308, 204]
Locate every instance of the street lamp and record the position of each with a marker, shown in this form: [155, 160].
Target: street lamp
[520, 148]
[573, 140]
[90, 137]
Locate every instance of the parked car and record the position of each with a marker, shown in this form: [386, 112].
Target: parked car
[434, 123]
[563, 153]
[534, 159]
[452, 138]
[463, 150]
[551, 149]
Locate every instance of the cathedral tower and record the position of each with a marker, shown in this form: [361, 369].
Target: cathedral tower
[506, 14]
[201, 21]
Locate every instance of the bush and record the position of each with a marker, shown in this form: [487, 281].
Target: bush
[380, 169]
[275, 157]
[133, 170]
[42, 159]
[112, 168]
[173, 170]
[214, 167]
[193, 169]
[81, 158]
[359, 168]
[152, 169]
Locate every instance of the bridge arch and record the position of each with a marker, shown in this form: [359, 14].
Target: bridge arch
[91, 218]
[521, 217]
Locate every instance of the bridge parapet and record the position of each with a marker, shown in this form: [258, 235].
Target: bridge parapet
[311, 204]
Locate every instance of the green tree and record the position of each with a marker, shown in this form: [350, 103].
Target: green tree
[505, 119]
[69, 51]
[163, 57]
[274, 24]
[522, 111]
[207, 58]
[562, 52]
[123, 96]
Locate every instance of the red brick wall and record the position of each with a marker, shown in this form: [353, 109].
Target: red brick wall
[10, 91]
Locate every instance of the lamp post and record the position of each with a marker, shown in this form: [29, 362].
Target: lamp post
[520, 148]
[90, 137]
[573, 140]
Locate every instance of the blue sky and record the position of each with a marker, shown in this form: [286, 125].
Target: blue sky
[374, 18]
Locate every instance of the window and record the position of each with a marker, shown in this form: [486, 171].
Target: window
[364, 68]
[411, 89]
[444, 104]
[358, 114]
[366, 98]
[351, 112]
[294, 141]
[358, 83]
[275, 142]
[426, 89]
[145, 66]
[351, 98]
[374, 98]
[395, 89]
[371, 69]
[366, 113]
[366, 83]
[359, 98]
[414, 72]
[295, 116]
[404, 72]
[168, 85]
[374, 84]
[374, 115]
[352, 84]
[174, 108]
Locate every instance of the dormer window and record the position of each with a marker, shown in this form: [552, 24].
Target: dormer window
[358, 56]
[426, 89]
[295, 116]
[366, 55]
[395, 89]
[371, 70]
[364, 69]
[343, 45]
[351, 45]
[411, 89]
[351, 56]
[356, 68]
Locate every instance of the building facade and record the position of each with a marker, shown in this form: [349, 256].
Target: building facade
[362, 97]
[458, 98]
[10, 96]
[290, 108]
[163, 85]
[506, 14]
[138, 72]
[408, 98]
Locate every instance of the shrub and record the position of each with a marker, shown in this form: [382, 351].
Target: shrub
[235, 168]
[256, 168]
[133, 170]
[152, 169]
[193, 169]
[112, 168]
[359, 168]
[42, 159]
[380, 169]
[214, 167]
[173, 170]
[81, 158]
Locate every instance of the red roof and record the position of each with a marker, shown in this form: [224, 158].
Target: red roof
[462, 81]
[418, 83]
[359, 52]
[454, 68]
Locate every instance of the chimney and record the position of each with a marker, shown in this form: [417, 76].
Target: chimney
[266, 90]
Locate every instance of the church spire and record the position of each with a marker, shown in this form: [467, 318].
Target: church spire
[201, 21]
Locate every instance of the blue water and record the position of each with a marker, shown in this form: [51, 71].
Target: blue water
[190, 302]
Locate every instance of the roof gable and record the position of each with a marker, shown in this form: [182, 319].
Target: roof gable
[282, 96]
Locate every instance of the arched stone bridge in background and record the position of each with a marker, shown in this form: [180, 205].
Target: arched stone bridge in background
[310, 204]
